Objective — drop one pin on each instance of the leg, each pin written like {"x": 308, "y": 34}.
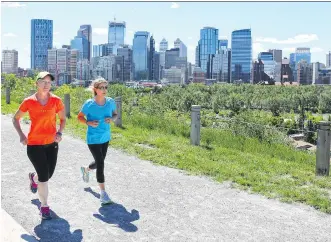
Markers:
{"x": 104, "y": 153}
{"x": 51, "y": 153}
{"x": 38, "y": 158}
{"x": 96, "y": 150}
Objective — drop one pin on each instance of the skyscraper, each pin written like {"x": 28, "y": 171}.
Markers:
{"x": 151, "y": 59}
{"x": 41, "y": 41}
{"x": 277, "y": 54}
{"x": 182, "y": 47}
{"x": 140, "y": 54}
{"x": 163, "y": 48}
{"x": 126, "y": 52}
{"x": 241, "y": 55}
{"x": 9, "y": 61}
{"x": 208, "y": 46}
{"x": 81, "y": 44}
{"x": 266, "y": 56}
{"x": 116, "y": 33}
{"x": 171, "y": 57}
{"x": 302, "y": 54}
{"x": 328, "y": 60}
{"x": 86, "y": 30}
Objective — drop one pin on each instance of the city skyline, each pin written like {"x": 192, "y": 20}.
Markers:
{"x": 272, "y": 34}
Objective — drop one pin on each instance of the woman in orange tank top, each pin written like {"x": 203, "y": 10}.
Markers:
{"x": 43, "y": 138}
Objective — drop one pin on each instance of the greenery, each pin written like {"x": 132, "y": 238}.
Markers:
{"x": 243, "y": 138}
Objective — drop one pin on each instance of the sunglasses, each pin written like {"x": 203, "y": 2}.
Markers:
{"x": 102, "y": 88}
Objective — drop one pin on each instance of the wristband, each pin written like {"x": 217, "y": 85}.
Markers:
{"x": 59, "y": 133}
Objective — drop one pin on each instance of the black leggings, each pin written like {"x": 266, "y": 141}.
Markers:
{"x": 99, "y": 152}
{"x": 43, "y": 158}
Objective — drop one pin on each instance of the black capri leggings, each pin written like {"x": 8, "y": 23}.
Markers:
{"x": 43, "y": 158}
{"x": 99, "y": 152}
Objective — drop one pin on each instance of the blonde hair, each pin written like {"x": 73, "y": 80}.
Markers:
{"x": 95, "y": 84}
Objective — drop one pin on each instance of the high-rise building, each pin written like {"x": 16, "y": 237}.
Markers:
{"x": 197, "y": 56}
{"x": 199, "y": 76}
{"x": 257, "y": 71}
{"x": 140, "y": 54}
{"x": 304, "y": 73}
{"x": 59, "y": 65}
{"x": 86, "y": 31}
{"x": 41, "y": 41}
{"x": 182, "y": 47}
{"x": 277, "y": 55}
{"x": 102, "y": 50}
{"x": 171, "y": 57}
{"x": 163, "y": 45}
{"x": 241, "y": 55}
{"x": 328, "y": 59}
{"x": 151, "y": 63}
{"x": 116, "y": 33}
{"x": 302, "y": 54}
{"x": 223, "y": 44}
{"x": 266, "y": 56}
{"x": 74, "y": 57}
{"x": 156, "y": 66}
{"x": 9, "y": 62}
{"x": 208, "y": 46}
{"x": 286, "y": 71}
{"x": 126, "y": 52}
{"x": 83, "y": 70}
{"x": 175, "y": 75}
{"x": 80, "y": 43}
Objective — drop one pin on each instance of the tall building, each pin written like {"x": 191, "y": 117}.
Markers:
{"x": 163, "y": 45}
{"x": 223, "y": 44}
{"x": 86, "y": 31}
{"x": 126, "y": 52}
{"x": 302, "y": 54}
{"x": 199, "y": 76}
{"x": 74, "y": 57}
{"x": 208, "y": 46}
{"x": 116, "y": 33}
{"x": 80, "y": 44}
{"x": 277, "y": 55}
{"x": 151, "y": 63}
{"x": 182, "y": 47}
{"x": 156, "y": 66}
{"x": 83, "y": 70}
{"x": 286, "y": 71}
{"x": 102, "y": 50}
{"x": 257, "y": 71}
{"x": 328, "y": 59}
{"x": 140, "y": 55}
{"x": 171, "y": 57}
{"x": 41, "y": 41}
{"x": 197, "y": 56}
{"x": 266, "y": 56}
{"x": 241, "y": 55}
{"x": 9, "y": 62}
{"x": 59, "y": 65}
{"x": 304, "y": 73}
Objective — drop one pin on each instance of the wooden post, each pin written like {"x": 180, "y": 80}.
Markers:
{"x": 118, "y": 121}
{"x": 67, "y": 104}
{"x": 323, "y": 149}
{"x": 195, "y": 125}
{"x": 8, "y": 95}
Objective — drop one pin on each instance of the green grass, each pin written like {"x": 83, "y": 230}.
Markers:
{"x": 273, "y": 170}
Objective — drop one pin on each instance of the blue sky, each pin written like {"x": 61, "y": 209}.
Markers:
{"x": 281, "y": 25}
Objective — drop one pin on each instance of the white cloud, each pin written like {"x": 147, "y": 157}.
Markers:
{"x": 190, "y": 37}
{"x": 9, "y": 35}
{"x": 100, "y": 31}
{"x": 301, "y": 38}
{"x": 174, "y": 5}
{"x": 13, "y": 5}
{"x": 56, "y": 33}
